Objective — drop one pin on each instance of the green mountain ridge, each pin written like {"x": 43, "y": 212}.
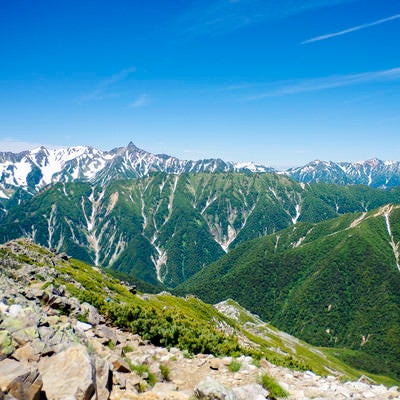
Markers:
{"x": 167, "y": 320}
{"x": 335, "y": 283}
{"x": 165, "y": 228}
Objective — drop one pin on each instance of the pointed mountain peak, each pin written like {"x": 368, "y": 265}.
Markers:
{"x": 131, "y": 146}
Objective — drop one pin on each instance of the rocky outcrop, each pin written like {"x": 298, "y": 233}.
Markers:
{"x": 211, "y": 389}
{"x": 68, "y": 374}
{"x": 46, "y": 352}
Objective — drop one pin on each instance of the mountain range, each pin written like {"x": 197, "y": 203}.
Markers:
{"x": 319, "y": 260}
{"x": 164, "y": 228}
{"x": 32, "y": 170}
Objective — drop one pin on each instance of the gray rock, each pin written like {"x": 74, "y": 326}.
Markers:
{"x": 27, "y": 387}
{"x": 253, "y": 392}
{"x": 34, "y": 293}
{"x": 11, "y": 370}
{"x": 46, "y": 333}
{"x": 83, "y": 326}
{"x": 27, "y": 353}
{"x": 119, "y": 365}
{"x": 106, "y": 333}
{"x": 68, "y": 374}
{"x": 14, "y": 310}
{"x": 25, "y": 335}
{"x": 103, "y": 379}
{"x": 211, "y": 389}
{"x": 119, "y": 379}
{"x": 92, "y": 315}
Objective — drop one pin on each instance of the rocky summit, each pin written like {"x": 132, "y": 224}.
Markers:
{"x": 54, "y": 346}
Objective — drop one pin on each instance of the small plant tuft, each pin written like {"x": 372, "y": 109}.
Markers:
{"x": 187, "y": 354}
{"x": 82, "y": 317}
{"x": 127, "y": 349}
{"x": 143, "y": 371}
{"x": 234, "y": 366}
{"x": 111, "y": 345}
{"x": 270, "y": 384}
{"x": 164, "y": 372}
{"x": 256, "y": 362}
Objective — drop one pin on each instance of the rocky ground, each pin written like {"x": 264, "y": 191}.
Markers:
{"x": 47, "y": 352}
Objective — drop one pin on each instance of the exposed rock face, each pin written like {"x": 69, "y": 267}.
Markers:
{"x": 253, "y": 392}
{"x": 27, "y": 387}
{"x": 10, "y": 371}
{"x": 211, "y": 389}
{"x": 46, "y": 353}
{"x": 68, "y": 374}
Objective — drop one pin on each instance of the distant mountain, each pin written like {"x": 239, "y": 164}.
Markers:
{"x": 335, "y": 283}
{"x": 165, "y": 228}
{"x": 26, "y": 173}
{"x": 374, "y": 173}
{"x": 32, "y": 170}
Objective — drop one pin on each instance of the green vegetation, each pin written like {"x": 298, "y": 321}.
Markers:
{"x": 188, "y": 323}
{"x": 270, "y": 384}
{"x": 143, "y": 371}
{"x": 185, "y": 217}
{"x": 234, "y": 365}
{"x": 111, "y": 345}
{"x": 333, "y": 284}
{"x": 127, "y": 349}
{"x": 165, "y": 371}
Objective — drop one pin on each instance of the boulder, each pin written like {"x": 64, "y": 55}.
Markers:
{"x": 68, "y": 374}
{"x": 27, "y": 387}
{"x": 103, "y": 379}
{"x": 211, "y": 389}
{"x": 11, "y": 370}
{"x": 26, "y": 335}
{"x": 27, "y": 353}
{"x": 107, "y": 334}
{"x": 92, "y": 315}
{"x": 83, "y": 326}
{"x": 119, "y": 365}
{"x": 119, "y": 379}
{"x": 217, "y": 364}
{"x": 14, "y": 310}
{"x": 253, "y": 392}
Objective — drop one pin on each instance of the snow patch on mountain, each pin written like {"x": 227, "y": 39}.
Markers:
{"x": 33, "y": 170}
{"x": 374, "y": 172}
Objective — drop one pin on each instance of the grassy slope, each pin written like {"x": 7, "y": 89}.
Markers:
{"x": 331, "y": 284}
{"x": 193, "y": 314}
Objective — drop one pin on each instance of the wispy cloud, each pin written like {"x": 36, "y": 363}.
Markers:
{"x": 330, "y": 82}
{"x": 350, "y": 30}
{"x": 141, "y": 101}
{"x": 100, "y": 92}
{"x": 222, "y": 16}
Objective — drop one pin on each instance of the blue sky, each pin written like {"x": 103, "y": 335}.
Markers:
{"x": 276, "y": 82}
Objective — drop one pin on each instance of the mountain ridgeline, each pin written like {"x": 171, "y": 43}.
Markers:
{"x": 164, "y": 228}
{"x": 318, "y": 260}
{"x": 335, "y": 283}
{"x": 24, "y": 174}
